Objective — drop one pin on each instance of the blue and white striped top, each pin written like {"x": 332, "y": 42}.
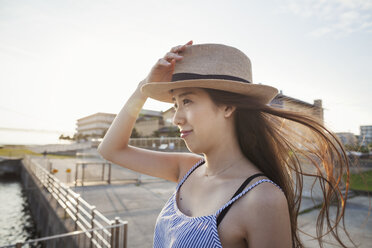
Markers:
{"x": 175, "y": 229}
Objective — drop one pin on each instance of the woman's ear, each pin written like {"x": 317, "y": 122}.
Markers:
{"x": 229, "y": 110}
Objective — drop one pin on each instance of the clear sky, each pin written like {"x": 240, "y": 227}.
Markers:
{"x": 63, "y": 60}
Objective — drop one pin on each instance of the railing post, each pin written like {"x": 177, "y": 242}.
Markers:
{"x": 117, "y": 232}
{"x": 92, "y": 225}
{"x": 41, "y": 174}
{"x": 83, "y": 174}
{"x": 139, "y": 181}
{"x": 109, "y": 174}
{"x": 77, "y": 211}
{"x": 112, "y": 235}
{"x": 76, "y": 173}
{"x": 103, "y": 172}
{"x": 48, "y": 178}
{"x": 125, "y": 233}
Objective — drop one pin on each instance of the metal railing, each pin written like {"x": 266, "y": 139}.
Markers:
{"x": 88, "y": 172}
{"x": 102, "y": 176}
{"x": 83, "y": 215}
{"x": 163, "y": 143}
{"x": 80, "y": 239}
{"x": 106, "y": 172}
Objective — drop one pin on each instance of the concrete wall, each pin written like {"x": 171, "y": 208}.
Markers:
{"x": 43, "y": 207}
{"x": 10, "y": 167}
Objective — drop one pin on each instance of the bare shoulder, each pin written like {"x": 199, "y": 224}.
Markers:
{"x": 267, "y": 194}
{"x": 266, "y": 217}
{"x": 187, "y": 162}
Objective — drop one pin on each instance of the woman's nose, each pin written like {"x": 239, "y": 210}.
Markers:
{"x": 178, "y": 118}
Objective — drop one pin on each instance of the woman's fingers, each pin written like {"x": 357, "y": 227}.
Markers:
{"x": 169, "y": 56}
{"x": 176, "y": 48}
{"x": 172, "y": 57}
{"x": 163, "y": 69}
{"x": 164, "y": 62}
{"x": 180, "y": 48}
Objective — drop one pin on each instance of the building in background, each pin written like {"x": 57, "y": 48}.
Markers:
{"x": 365, "y": 137}
{"x": 94, "y": 126}
{"x": 300, "y": 134}
{"x": 148, "y": 122}
{"x": 290, "y": 103}
{"x": 168, "y": 117}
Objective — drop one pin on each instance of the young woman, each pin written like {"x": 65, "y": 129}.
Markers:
{"x": 241, "y": 184}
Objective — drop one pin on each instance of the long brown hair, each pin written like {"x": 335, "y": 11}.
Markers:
{"x": 267, "y": 137}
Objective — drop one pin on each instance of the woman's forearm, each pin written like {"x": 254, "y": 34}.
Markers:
{"x": 117, "y": 136}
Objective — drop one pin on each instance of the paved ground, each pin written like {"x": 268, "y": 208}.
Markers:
{"x": 140, "y": 205}
{"x": 357, "y": 223}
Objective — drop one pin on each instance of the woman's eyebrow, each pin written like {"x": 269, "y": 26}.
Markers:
{"x": 183, "y": 94}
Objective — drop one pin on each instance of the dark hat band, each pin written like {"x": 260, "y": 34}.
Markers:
{"x": 194, "y": 76}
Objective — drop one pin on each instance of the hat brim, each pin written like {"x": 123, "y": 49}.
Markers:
{"x": 161, "y": 90}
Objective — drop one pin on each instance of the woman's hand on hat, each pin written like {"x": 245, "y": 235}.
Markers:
{"x": 163, "y": 69}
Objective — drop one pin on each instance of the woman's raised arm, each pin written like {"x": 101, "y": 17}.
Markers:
{"x": 114, "y": 146}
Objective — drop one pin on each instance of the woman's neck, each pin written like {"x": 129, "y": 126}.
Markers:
{"x": 225, "y": 157}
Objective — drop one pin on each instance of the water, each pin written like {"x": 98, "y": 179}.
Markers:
{"x": 16, "y": 137}
{"x": 16, "y": 223}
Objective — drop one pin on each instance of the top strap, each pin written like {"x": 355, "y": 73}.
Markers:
{"x": 200, "y": 162}
{"x": 228, "y": 205}
{"x": 241, "y": 188}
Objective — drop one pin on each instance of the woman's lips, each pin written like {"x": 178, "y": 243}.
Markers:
{"x": 185, "y": 133}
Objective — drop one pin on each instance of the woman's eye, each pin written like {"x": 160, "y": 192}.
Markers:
{"x": 186, "y": 101}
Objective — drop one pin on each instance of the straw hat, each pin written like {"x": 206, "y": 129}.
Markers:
{"x": 212, "y": 66}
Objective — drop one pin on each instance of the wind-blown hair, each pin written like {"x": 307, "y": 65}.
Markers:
{"x": 287, "y": 145}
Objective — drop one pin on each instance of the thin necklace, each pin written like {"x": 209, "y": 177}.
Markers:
{"x": 220, "y": 172}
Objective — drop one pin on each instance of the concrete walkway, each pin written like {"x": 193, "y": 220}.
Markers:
{"x": 357, "y": 223}
{"x": 140, "y": 206}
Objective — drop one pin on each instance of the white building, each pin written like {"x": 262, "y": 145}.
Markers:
{"x": 94, "y": 125}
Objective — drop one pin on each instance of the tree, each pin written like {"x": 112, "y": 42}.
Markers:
{"x": 356, "y": 148}
{"x": 62, "y": 137}
{"x": 155, "y": 134}
{"x": 135, "y": 134}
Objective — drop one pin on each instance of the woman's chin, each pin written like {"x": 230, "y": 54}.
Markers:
{"x": 194, "y": 149}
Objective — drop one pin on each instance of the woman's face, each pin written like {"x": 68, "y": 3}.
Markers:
{"x": 200, "y": 121}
